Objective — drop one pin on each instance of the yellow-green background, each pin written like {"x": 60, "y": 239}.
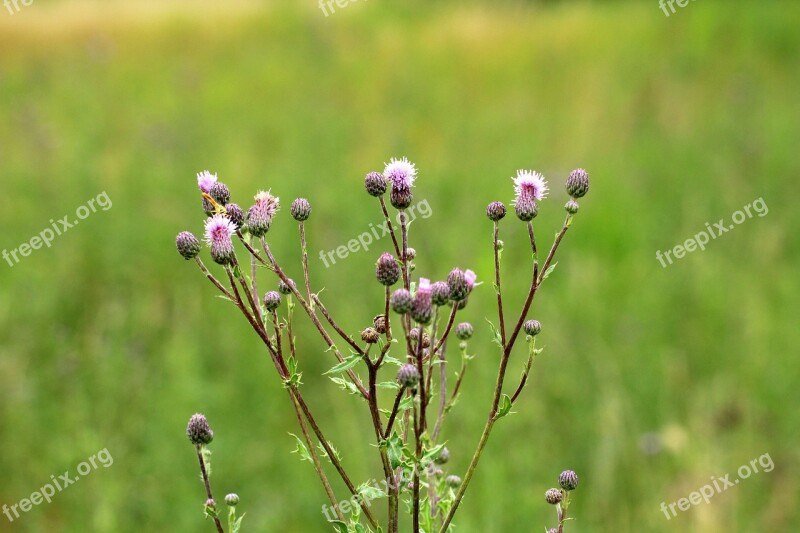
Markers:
{"x": 109, "y": 339}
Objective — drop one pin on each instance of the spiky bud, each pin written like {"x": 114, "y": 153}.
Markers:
{"x": 260, "y": 215}
{"x": 187, "y": 244}
{"x": 235, "y": 214}
{"x": 231, "y": 500}
{"x": 577, "y": 183}
{"x": 400, "y": 301}
{"x": 422, "y": 304}
{"x": 440, "y": 293}
{"x": 464, "y": 331}
{"x": 370, "y": 335}
{"x": 458, "y": 285}
{"x": 198, "y": 430}
{"x": 443, "y": 457}
{"x": 411, "y": 253}
{"x": 571, "y": 206}
{"x": 211, "y": 504}
{"x": 284, "y": 288}
{"x": 219, "y": 192}
{"x": 554, "y": 496}
{"x": 453, "y": 481}
{"x": 387, "y": 270}
{"x": 400, "y": 198}
{"x": 408, "y": 376}
{"x": 272, "y": 300}
{"x": 379, "y": 323}
{"x": 532, "y": 327}
{"x": 526, "y": 208}
{"x": 300, "y": 209}
{"x": 375, "y": 183}
{"x": 416, "y": 332}
{"x": 568, "y": 480}
{"x": 496, "y": 211}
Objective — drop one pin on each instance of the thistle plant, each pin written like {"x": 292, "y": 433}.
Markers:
{"x": 399, "y": 363}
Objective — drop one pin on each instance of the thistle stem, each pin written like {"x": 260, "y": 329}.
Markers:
{"x": 207, "y": 483}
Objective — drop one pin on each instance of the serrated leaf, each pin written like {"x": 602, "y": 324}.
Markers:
{"x": 505, "y": 407}
{"x": 390, "y": 359}
{"x": 345, "y": 385}
{"x": 347, "y": 364}
{"x": 392, "y": 385}
{"x": 431, "y": 454}
{"x": 301, "y": 449}
{"x": 496, "y": 334}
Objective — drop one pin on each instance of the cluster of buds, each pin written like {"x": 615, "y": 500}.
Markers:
{"x": 567, "y": 481}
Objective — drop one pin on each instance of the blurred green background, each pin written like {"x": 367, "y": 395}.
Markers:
{"x": 653, "y": 379}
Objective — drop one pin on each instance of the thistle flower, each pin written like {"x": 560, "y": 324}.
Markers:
{"x": 577, "y": 183}
{"x": 401, "y": 172}
{"x": 422, "y": 305}
{"x": 453, "y": 481}
{"x": 529, "y": 187}
{"x": 532, "y": 327}
{"x": 198, "y": 430}
{"x": 408, "y": 376}
{"x": 219, "y": 230}
{"x": 260, "y": 214}
{"x": 496, "y": 211}
{"x": 554, "y": 496}
{"x": 470, "y": 277}
{"x": 400, "y": 301}
{"x": 440, "y": 292}
{"x": 300, "y": 209}
{"x": 568, "y": 480}
{"x": 375, "y": 183}
{"x": 231, "y": 500}
{"x": 187, "y": 244}
{"x": 464, "y": 331}
{"x": 220, "y": 192}
{"x": 284, "y": 288}
{"x": 457, "y": 282}
{"x": 272, "y": 300}
{"x": 387, "y": 270}
{"x": 236, "y": 214}
{"x": 205, "y": 180}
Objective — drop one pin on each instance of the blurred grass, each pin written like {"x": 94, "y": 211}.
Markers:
{"x": 108, "y": 339}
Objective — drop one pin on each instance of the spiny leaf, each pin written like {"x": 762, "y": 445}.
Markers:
{"x": 347, "y": 364}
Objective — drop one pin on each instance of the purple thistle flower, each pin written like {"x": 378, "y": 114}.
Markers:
{"x": 529, "y": 184}
{"x": 401, "y": 172}
{"x": 206, "y": 180}
{"x": 470, "y": 277}
{"x": 260, "y": 214}
{"x": 219, "y": 230}
{"x": 422, "y": 305}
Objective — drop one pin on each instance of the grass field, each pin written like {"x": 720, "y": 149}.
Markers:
{"x": 653, "y": 380}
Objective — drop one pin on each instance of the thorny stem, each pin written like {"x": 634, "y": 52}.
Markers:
{"x": 207, "y": 483}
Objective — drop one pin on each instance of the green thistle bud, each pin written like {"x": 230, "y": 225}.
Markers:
{"x": 284, "y": 288}
{"x": 453, "y": 481}
{"x": 532, "y": 327}
{"x": 464, "y": 331}
{"x": 571, "y": 206}
{"x": 232, "y": 500}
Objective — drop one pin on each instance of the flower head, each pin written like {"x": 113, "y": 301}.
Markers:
{"x": 219, "y": 230}
{"x": 422, "y": 305}
{"x": 260, "y": 214}
{"x": 401, "y": 172}
{"x": 187, "y": 244}
{"x": 198, "y": 430}
{"x": 205, "y": 180}
{"x": 529, "y": 184}
{"x": 470, "y": 277}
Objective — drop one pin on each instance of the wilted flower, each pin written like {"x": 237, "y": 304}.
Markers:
{"x": 219, "y": 230}
{"x": 260, "y": 214}
{"x": 554, "y": 496}
{"x": 370, "y": 335}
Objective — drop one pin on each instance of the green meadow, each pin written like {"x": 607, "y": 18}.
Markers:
{"x": 654, "y": 378}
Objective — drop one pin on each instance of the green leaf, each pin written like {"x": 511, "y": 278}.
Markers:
{"x": 237, "y": 526}
{"x": 505, "y": 407}
{"x": 496, "y": 334}
{"x": 345, "y": 384}
{"x": 301, "y": 449}
{"x": 340, "y": 526}
{"x": 430, "y": 454}
{"x": 347, "y": 364}
{"x": 390, "y": 359}
{"x": 549, "y": 270}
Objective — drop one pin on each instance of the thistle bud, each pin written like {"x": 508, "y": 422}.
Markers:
{"x": 453, "y": 481}
{"x": 422, "y": 304}
{"x": 526, "y": 208}
{"x": 443, "y": 457}
{"x": 187, "y": 244}
{"x": 283, "y": 288}
{"x": 260, "y": 215}
{"x": 387, "y": 270}
{"x": 440, "y": 293}
{"x": 577, "y": 183}
{"x": 219, "y": 192}
{"x": 408, "y": 376}
{"x": 370, "y": 335}
{"x": 232, "y": 500}
{"x": 458, "y": 285}
{"x": 379, "y": 322}
{"x": 235, "y": 214}
{"x": 415, "y": 334}
{"x": 532, "y": 327}
{"x": 400, "y": 198}
{"x": 400, "y": 301}
{"x": 375, "y": 183}
{"x": 571, "y": 206}
{"x": 198, "y": 430}
{"x": 300, "y": 209}
{"x": 554, "y": 496}
{"x": 411, "y": 253}
{"x": 496, "y": 211}
{"x": 464, "y": 331}
{"x": 272, "y": 300}
{"x": 568, "y": 480}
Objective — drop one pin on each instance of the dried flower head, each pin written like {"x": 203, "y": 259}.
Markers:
{"x": 370, "y": 335}
{"x": 198, "y": 430}
{"x": 415, "y": 334}
{"x": 260, "y": 215}
{"x": 205, "y": 180}
{"x": 379, "y": 322}
{"x": 554, "y": 496}
{"x": 187, "y": 244}
{"x": 219, "y": 230}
